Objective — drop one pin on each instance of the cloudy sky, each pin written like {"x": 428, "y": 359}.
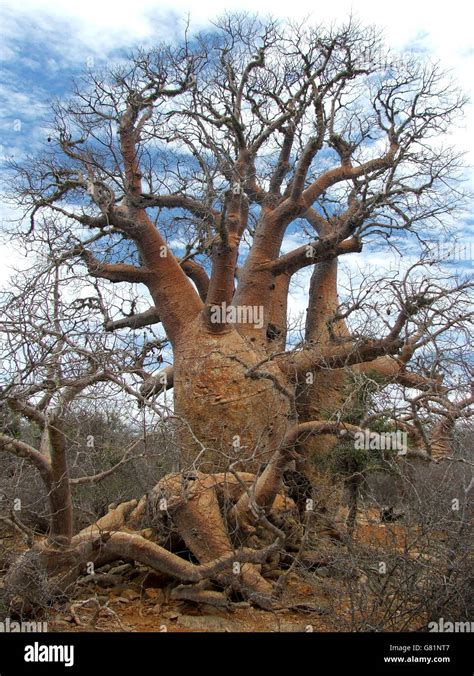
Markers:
{"x": 46, "y": 42}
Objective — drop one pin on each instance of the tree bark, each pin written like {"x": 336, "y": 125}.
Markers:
{"x": 228, "y": 416}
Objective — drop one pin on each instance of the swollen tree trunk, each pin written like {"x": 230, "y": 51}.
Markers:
{"x": 229, "y": 414}
{"x": 249, "y": 169}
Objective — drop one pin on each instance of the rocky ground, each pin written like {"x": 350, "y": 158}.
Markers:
{"x": 125, "y": 597}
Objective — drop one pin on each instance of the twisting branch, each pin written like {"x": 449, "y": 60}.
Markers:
{"x": 115, "y": 272}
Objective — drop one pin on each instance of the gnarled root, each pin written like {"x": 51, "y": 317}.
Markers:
{"x": 192, "y": 504}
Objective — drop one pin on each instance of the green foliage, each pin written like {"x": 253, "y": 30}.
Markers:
{"x": 345, "y": 458}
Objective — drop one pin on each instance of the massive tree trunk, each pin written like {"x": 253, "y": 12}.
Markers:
{"x": 229, "y": 414}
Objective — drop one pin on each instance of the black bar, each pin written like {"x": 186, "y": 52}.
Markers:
{"x": 113, "y": 654}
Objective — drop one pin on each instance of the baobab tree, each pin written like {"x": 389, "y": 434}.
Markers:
{"x": 187, "y": 171}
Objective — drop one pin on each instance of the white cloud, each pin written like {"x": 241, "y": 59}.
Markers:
{"x": 80, "y": 29}
{"x": 432, "y": 24}
{"x": 75, "y": 30}
{"x": 12, "y": 260}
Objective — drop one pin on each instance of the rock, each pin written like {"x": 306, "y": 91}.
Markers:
{"x": 171, "y": 615}
{"x": 323, "y": 571}
{"x": 211, "y": 623}
{"x": 131, "y": 594}
{"x": 157, "y": 595}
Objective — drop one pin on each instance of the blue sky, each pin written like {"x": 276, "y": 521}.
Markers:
{"x": 45, "y": 43}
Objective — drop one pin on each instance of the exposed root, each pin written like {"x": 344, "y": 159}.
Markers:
{"x": 193, "y": 508}
{"x": 201, "y": 593}
{"x": 195, "y": 511}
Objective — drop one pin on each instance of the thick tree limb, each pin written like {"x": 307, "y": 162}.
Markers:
{"x": 138, "y": 321}
{"x": 195, "y": 510}
{"x": 149, "y": 317}
{"x": 163, "y": 380}
{"x": 394, "y": 370}
{"x": 246, "y": 511}
{"x": 118, "y": 272}
{"x": 314, "y": 252}
{"x": 345, "y": 173}
{"x": 23, "y": 450}
{"x": 335, "y": 357}
{"x": 198, "y": 275}
{"x": 176, "y": 300}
